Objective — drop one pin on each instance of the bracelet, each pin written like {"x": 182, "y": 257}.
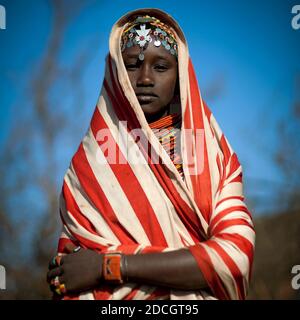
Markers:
{"x": 111, "y": 267}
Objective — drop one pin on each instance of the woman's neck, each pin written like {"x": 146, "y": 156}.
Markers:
{"x": 157, "y": 116}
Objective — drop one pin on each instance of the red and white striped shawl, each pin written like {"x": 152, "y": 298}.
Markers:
{"x": 138, "y": 208}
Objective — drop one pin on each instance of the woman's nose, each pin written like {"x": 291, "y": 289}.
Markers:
{"x": 145, "y": 77}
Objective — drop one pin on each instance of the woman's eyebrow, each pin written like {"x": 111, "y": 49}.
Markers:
{"x": 161, "y": 57}
{"x": 131, "y": 55}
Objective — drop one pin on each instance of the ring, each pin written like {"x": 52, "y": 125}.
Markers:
{"x": 56, "y": 282}
{"x": 61, "y": 289}
{"x": 76, "y": 249}
{"x": 55, "y": 262}
{"x": 57, "y": 287}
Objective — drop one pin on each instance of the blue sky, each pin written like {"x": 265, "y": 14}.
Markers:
{"x": 249, "y": 46}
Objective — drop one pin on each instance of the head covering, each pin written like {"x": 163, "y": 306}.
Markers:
{"x": 143, "y": 30}
{"x": 146, "y": 206}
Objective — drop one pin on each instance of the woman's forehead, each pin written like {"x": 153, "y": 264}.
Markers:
{"x": 150, "y": 52}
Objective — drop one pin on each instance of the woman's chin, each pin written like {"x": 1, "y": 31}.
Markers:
{"x": 151, "y": 111}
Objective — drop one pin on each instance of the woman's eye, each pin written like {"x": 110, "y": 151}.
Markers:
{"x": 161, "y": 67}
{"x": 131, "y": 66}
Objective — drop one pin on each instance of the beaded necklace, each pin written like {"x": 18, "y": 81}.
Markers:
{"x": 167, "y": 130}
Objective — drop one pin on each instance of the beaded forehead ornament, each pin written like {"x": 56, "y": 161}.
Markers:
{"x": 139, "y": 33}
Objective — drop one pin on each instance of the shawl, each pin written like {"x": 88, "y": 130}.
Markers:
{"x": 110, "y": 201}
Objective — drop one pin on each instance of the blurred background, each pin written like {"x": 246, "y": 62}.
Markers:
{"x": 246, "y": 55}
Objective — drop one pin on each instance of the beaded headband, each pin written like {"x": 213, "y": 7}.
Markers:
{"x": 161, "y": 33}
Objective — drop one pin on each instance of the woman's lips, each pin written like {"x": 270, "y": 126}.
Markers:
{"x": 144, "y": 98}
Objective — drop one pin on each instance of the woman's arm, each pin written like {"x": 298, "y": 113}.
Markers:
{"x": 175, "y": 269}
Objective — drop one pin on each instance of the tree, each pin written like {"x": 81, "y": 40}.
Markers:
{"x": 287, "y": 156}
{"x": 31, "y": 167}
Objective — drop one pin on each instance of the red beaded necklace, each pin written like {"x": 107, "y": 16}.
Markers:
{"x": 167, "y": 130}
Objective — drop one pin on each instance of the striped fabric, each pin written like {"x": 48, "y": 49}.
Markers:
{"x": 145, "y": 206}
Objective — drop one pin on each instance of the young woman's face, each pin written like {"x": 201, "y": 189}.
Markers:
{"x": 153, "y": 79}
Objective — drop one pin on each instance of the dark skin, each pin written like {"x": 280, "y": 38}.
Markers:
{"x": 153, "y": 79}
{"x": 154, "y": 82}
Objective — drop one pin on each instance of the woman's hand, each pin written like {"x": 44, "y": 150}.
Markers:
{"x": 78, "y": 271}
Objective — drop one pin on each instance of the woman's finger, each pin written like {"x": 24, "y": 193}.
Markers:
{"x": 54, "y": 273}
{"x": 52, "y": 263}
{"x": 55, "y": 262}
{"x": 69, "y": 247}
{"x": 58, "y": 286}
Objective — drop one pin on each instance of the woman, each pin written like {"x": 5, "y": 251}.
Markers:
{"x": 152, "y": 201}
